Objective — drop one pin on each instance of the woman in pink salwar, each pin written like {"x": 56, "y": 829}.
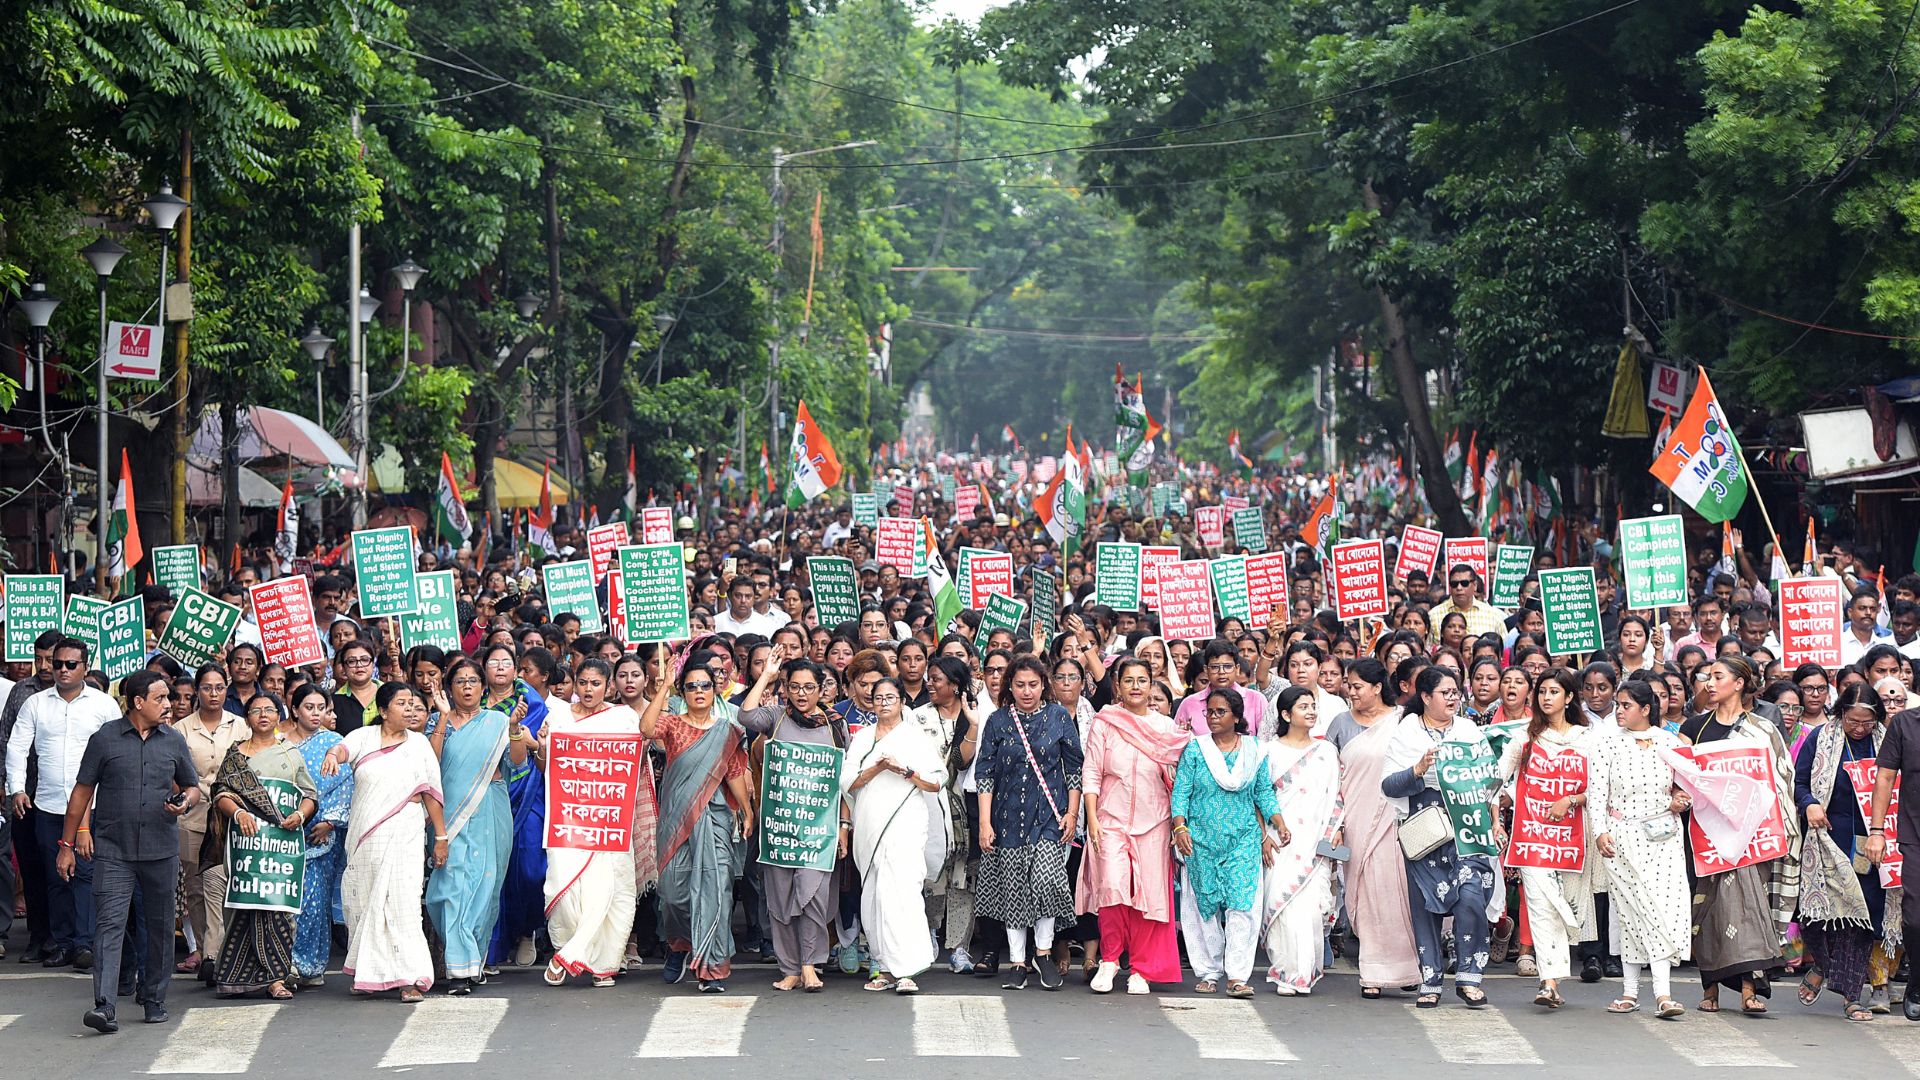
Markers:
{"x": 1127, "y": 875}
{"x": 1376, "y": 883}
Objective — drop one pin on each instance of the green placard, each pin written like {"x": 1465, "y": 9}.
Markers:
{"x": 883, "y": 496}
{"x": 653, "y": 587}
{"x": 947, "y": 487}
{"x": 866, "y": 509}
{"x": 1653, "y": 556}
{"x": 1046, "y": 603}
{"x": 35, "y": 605}
{"x": 919, "y": 552}
{"x": 1231, "y": 599}
{"x": 836, "y": 589}
{"x": 1165, "y": 493}
{"x": 1511, "y": 565}
{"x": 178, "y": 568}
{"x": 1116, "y": 575}
{"x": 1498, "y": 735}
{"x": 800, "y": 805}
{"x": 123, "y": 638}
{"x": 436, "y": 621}
{"x": 383, "y": 571}
{"x": 570, "y": 590}
{"x": 198, "y": 630}
{"x": 264, "y": 870}
{"x": 1002, "y": 613}
{"x": 82, "y": 621}
{"x": 1468, "y": 776}
{"x": 1572, "y": 610}
{"x": 1250, "y": 529}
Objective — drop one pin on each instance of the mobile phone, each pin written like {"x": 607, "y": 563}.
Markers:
{"x": 177, "y": 799}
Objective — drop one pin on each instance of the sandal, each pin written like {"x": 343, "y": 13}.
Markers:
{"x": 188, "y": 966}
{"x": 1427, "y": 1001}
{"x": 880, "y": 981}
{"x": 906, "y": 986}
{"x": 1669, "y": 1009}
{"x": 1239, "y": 990}
{"x": 1624, "y": 1004}
{"x": 1810, "y": 990}
{"x": 1752, "y": 1005}
{"x": 1709, "y": 1005}
{"x": 1857, "y": 1012}
{"x": 411, "y": 996}
{"x": 279, "y": 992}
{"x": 602, "y": 982}
{"x": 1476, "y": 998}
{"x": 1206, "y": 986}
{"x": 555, "y": 974}
{"x": 1370, "y": 993}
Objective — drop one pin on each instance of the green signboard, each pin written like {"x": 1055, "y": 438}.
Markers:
{"x": 1250, "y": 529}
{"x": 1046, "y": 603}
{"x": 35, "y": 604}
{"x": 866, "y": 508}
{"x": 436, "y": 621}
{"x": 178, "y": 568}
{"x": 123, "y": 638}
{"x": 1511, "y": 565}
{"x": 836, "y": 589}
{"x": 83, "y": 621}
{"x": 1002, "y": 613}
{"x": 383, "y": 570}
{"x": 800, "y": 805}
{"x": 1572, "y": 610}
{"x": 1468, "y": 776}
{"x": 1653, "y": 557}
{"x": 653, "y": 587}
{"x": 1116, "y": 575}
{"x": 1231, "y": 598}
{"x": 570, "y": 591}
{"x": 198, "y": 630}
{"x": 264, "y": 870}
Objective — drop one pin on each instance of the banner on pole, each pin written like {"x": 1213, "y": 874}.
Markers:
{"x": 1812, "y": 614}
{"x": 866, "y": 508}
{"x": 656, "y": 526}
{"x": 653, "y": 593}
{"x": 987, "y": 573}
{"x": 123, "y": 638}
{"x": 896, "y": 543}
{"x": 82, "y": 621}
{"x": 1267, "y": 584}
{"x": 1250, "y": 529}
{"x": 1002, "y": 613}
{"x": 1211, "y": 523}
{"x": 1419, "y": 550}
{"x": 1046, "y": 603}
{"x": 1186, "y": 600}
{"x": 1151, "y": 560}
{"x": 1511, "y": 565}
{"x": 1116, "y": 575}
{"x": 177, "y": 567}
{"x": 35, "y": 604}
{"x": 199, "y": 628}
{"x": 603, "y": 541}
{"x": 1230, "y": 587}
{"x": 1471, "y": 550}
{"x": 1653, "y": 556}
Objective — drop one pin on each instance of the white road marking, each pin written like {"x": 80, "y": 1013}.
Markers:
{"x": 1475, "y": 1037}
{"x": 220, "y": 1039}
{"x": 705, "y": 1026}
{"x": 446, "y": 1031}
{"x": 5, "y": 1020}
{"x": 961, "y": 1027}
{"x": 1899, "y": 1039}
{"x": 1228, "y": 1030}
{"x": 1709, "y": 1041}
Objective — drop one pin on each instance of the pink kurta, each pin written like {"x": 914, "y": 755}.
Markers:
{"x": 1134, "y": 865}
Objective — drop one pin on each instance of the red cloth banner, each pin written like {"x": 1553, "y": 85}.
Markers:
{"x": 604, "y": 540}
{"x": 1864, "y": 774}
{"x": 1769, "y": 838}
{"x": 1539, "y": 842}
{"x": 1151, "y": 559}
{"x": 592, "y": 783}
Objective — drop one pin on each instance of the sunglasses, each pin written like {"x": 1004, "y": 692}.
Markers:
{"x": 68, "y": 665}
{"x": 697, "y": 687}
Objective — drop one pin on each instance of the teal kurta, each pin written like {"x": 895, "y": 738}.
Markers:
{"x": 1223, "y": 872}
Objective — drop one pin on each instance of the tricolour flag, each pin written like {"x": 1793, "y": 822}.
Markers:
{"x": 1240, "y": 462}
{"x": 123, "y": 530}
{"x": 450, "y": 519}
{"x": 1810, "y": 556}
{"x": 540, "y": 521}
{"x": 1702, "y": 463}
{"x": 1319, "y": 524}
{"x": 633, "y": 490}
{"x": 946, "y": 598}
{"x": 1063, "y": 505}
{"x": 286, "y": 536}
{"x": 1134, "y": 427}
{"x": 812, "y": 466}
{"x": 1454, "y": 459}
{"x": 1007, "y": 436}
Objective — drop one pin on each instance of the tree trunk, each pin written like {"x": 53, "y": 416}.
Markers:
{"x": 1412, "y": 385}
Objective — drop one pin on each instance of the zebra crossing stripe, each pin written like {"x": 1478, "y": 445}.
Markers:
{"x": 704, "y": 1026}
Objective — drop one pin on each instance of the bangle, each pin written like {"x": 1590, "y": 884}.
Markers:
{"x": 86, "y": 830}
{"x": 1180, "y": 828}
{"x": 438, "y": 838}
{"x": 65, "y": 843}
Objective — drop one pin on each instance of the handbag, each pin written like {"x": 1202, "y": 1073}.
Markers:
{"x": 1422, "y": 832}
{"x": 1659, "y": 827}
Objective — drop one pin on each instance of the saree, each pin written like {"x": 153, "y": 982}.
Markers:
{"x": 326, "y": 860}
{"x": 463, "y": 897}
{"x": 386, "y": 861}
{"x": 699, "y": 855}
{"x": 1376, "y": 886}
{"x": 1740, "y": 917}
{"x": 1299, "y": 885}
{"x": 891, "y": 820}
{"x": 258, "y": 948}
{"x": 590, "y": 895}
{"x": 524, "y": 881}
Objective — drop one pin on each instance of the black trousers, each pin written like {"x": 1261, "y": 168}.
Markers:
{"x": 116, "y": 883}
{"x": 33, "y": 882}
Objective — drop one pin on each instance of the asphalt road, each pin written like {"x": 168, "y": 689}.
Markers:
{"x": 516, "y": 1028}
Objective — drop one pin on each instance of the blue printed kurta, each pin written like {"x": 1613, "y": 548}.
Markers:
{"x": 1223, "y": 873}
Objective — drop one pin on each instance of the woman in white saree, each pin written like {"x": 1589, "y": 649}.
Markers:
{"x": 889, "y": 764}
{"x": 1299, "y": 880}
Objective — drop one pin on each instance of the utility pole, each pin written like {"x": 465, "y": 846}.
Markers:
{"x": 184, "y": 421}
{"x": 356, "y": 364}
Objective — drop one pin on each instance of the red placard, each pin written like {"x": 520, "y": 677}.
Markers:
{"x": 1186, "y": 600}
{"x": 1419, "y": 550}
{"x": 1267, "y": 583}
{"x": 283, "y": 608}
{"x": 617, "y": 610}
{"x": 1234, "y": 502}
{"x": 903, "y": 498}
{"x": 1471, "y": 550}
{"x": 988, "y": 572}
{"x": 604, "y": 540}
{"x": 1360, "y": 580}
{"x": 966, "y": 500}
{"x": 1812, "y": 613}
{"x": 1864, "y": 774}
{"x": 1770, "y": 839}
{"x": 1537, "y": 841}
{"x": 656, "y": 526}
{"x": 1212, "y": 523}
{"x": 592, "y": 782}
{"x": 1151, "y": 559}
{"x": 894, "y": 540}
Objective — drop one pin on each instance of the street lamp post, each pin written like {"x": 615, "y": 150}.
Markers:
{"x": 317, "y": 344}
{"x": 164, "y": 211}
{"x": 408, "y": 274}
{"x": 103, "y": 255}
{"x": 780, "y": 158}
{"x": 38, "y": 305}
{"x": 364, "y": 311}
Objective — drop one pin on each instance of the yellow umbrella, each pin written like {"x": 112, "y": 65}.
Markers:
{"x": 518, "y": 487}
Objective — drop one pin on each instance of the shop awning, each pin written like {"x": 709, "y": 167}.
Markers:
{"x": 204, "y": 486}
{"x": 517, "y": 486}
{"x": 272, "y": 433}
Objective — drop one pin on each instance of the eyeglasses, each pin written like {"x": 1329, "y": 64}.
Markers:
{"x": 1065, "y": 677}
{"x": 697, "y": 687}
{"x": 996, "y": 669}
{"x": 1446, "y": 692}
{"x": 803, "y": 688}
{"x": 213, "y": 688}
{"x": 357, "y": 661}
{"x": 1215, "y": 713}
{"x": 69, "y": 665}
{"x": 468, "y": 681}
{"x": 1792, "y": 710}
{"x": 275, "y": 713}
{"x": 1466, "y": 583}
{"x": 886, "y": 699}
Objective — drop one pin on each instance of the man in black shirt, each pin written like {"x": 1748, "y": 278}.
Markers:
{"x": 137, "y": 777}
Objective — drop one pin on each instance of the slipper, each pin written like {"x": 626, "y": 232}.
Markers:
{"x": 879, "y": 982}
{"x": 1427, "y": 1001}
{"x": 1206, "y": 986}
{"x": 1669, "y": 1009}
{"x": 555, "y": 974}
{"x": 906, "y": 986}
{"x": 279, "y": 993}
{"x": 1751, "y": 1005}
{"x": 1476, "y": 998}
{"x": 1857, "y": 1012}
{"x": 1709, "y": 1005}
{"x": 411, "y": 996}
{"x": 1624, "y": 1004}
{"x": 1239, "y": 990}
{"x": 188, "y": 966}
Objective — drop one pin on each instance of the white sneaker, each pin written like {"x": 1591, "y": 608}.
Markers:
{"x": 1102, "y": 982}
{"x": 961, "y": 962}
{"x": 1137, "y": 986}
{"x": 524, "y": 954}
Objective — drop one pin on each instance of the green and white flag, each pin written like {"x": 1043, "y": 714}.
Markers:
{"x": 1134, "y": 427}
{"x": 450, "y": 519}
{"x": 946, "y": 598}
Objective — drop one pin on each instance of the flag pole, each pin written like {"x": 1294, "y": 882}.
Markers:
{"x": 1753, "y": 485}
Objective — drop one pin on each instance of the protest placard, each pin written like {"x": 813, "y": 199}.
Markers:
{"x": 177, "y": 567}
{"x": 604, "y": 540}
{"x": 1511, "y": 565}
{"x": 897, "y": 543}
{"x": 1266, "y": 584}
{"x": 800, "y": 805}
{"x": 989, "y": 573}
{"x": 592, "y": 783}
{"x": 836, "y": 589}
{"x": 1571, "y": 608}
{"x": 656, "y": 526}
{"x": 123, "y": 638}
{"x": 1538, "y": 841}
{"x": 1046, "y": 603}
{"x": 1812, "y": 614}
{"x": 1468, "y": 776}
{"x": 1002, "y": 613}
{"x": 653, "y": 592}
{"x": 1653, "y": 557}
{"x": 1250, "y": 529}
{"x": 1163, "y": 496}
{"x": 570, "y": 591}
{"x": 199, "y": 628}
{"x": 866, "y": 508}
{"x": 1116, "y": 575}
{"x": 35, "y": 604}
{"x": 1471, "y": 550}
{"x": 1234, "y": 502}
{"x": 1419, "y": 550}
{"x": 1769, "y": 839}
{"x": 903, "y": 500}
{"x": 1360, "y": 580}
{"x": 1863, "y": 775}
{"x": 1231, "y": 598}
{"x": 966, "y": 502}
{"x": 82, "y": 621}
{"x": 1152, "y": 558}
{"x": 617, "y": 605}
{"x": 883, "y": 496}
{"x": 383, "y": 570}
{"x": 949, "y": 487}
{"x": 1185, "y": 599}
{"x": 1211, "y": 523}
{"x": 435, "y": 619}
{"x": 283, "y": 609}
{"x": 265, "y": 870}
